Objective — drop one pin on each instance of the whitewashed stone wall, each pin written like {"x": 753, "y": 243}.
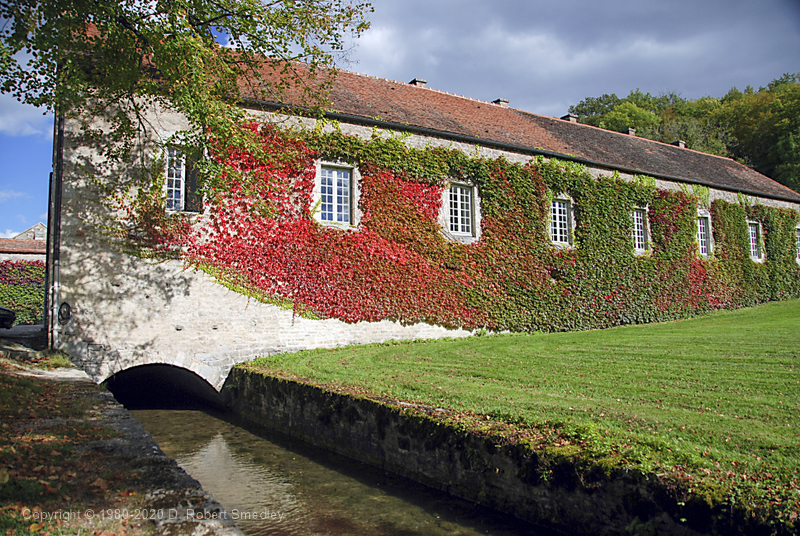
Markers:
{"x": 127, "y": 311}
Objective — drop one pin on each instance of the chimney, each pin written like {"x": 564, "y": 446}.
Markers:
{"x": 631, "y": 131}
{"x": 679, "y": 143}
{"x": 572, "y": 118}
{"x": 501, "y": 102}
{"x": 419, "y": 82}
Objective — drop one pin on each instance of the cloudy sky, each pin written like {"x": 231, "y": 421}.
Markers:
{"x": 541, "y": 56}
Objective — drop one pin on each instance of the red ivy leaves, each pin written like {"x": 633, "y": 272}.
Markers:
{"x": 397, "y": 264}
{"x": 262, "y": 230}
{"x": 22, "y": 273}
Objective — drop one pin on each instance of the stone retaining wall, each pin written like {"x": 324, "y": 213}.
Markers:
{"x": 544, "y": 487}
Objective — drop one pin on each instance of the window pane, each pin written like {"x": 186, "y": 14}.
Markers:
{"x": 343, "y": 197}
{"x": 175, "y": 179}
{"x": 797, "y": 243}
{"x": 559, "y": 222}
{"x": 703, "y": 236}
{"x": 335, "y": 195}
{"x": 755, "y": 247}
{"x": 460, "y": 209}
{"x": 639, "y": 230}
{"x": 466, "y": 211}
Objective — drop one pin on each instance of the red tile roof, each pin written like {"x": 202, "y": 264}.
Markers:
{"x": 404, "y": 106}
{"x": 9, "y": 245}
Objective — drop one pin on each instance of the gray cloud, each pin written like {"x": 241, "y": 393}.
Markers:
{"x": 544, "y": 56}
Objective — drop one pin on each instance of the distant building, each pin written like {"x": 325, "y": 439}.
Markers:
{"x": 29, "y": 245}
{"x": 37, "y": 232}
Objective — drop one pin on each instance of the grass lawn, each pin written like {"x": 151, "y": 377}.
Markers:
{"x": 710, "y": 402}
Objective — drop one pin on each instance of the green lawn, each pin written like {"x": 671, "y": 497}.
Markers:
{"x": 712, "y": 401}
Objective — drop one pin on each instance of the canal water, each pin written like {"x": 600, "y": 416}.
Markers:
{"x": 274, "y": 485}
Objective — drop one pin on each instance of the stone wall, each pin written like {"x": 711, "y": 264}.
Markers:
{"x": 127, "y": 311}
{"x": 405, "y": 440}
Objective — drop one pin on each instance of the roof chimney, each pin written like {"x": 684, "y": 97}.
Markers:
{"x": 419, "y": 82}
{"x": 679, "y": 143}
{"x": 631, "y": 131}
{"x": 501, "y": 102}
{"x": 572, "y": 118}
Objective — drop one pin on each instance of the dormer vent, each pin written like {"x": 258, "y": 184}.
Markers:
{"x": 501, "y": 102}
{"x": 679, "y": 143}
{"x": 572, "y": 118}
{"x": 419, "y": 82}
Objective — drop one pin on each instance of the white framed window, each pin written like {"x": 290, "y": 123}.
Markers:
{"x": 704, "y": 238}
{"x": 175, "y": 183}
{"x": 460, "y": 215}
{"x": 641, "y": 231}
{"x": 754, "y": 235}
{"x": 797, "y": 244}
{"x": 335, "y": 195}
{"x": 461, "y": 209}
{"x": 561, "y": 223}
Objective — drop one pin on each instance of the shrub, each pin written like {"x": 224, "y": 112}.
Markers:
{"x": 22, "y": 289}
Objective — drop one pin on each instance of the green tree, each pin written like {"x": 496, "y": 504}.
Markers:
{"x": 763, "y": 125}
{"x": 628, "y": 115}
{"x": 116, "y": 58}
{"x": 787, "y": 153}
{"x": 592, "y": 110}
{"x": 758, "y": 128}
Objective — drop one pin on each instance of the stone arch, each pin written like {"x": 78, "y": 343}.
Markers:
{"x": 162, "y": 385}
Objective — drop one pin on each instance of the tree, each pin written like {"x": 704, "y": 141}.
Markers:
{"x": 628, "y": 115}
{"x": 591, "y": 110}
{"x": 758, "y": 128}
{"x": 115, "y": 58}
{"x": 764, "y": 126}
{"x": 787, "y": 152}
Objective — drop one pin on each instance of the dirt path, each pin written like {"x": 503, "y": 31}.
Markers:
{"x": 74, "y": 461}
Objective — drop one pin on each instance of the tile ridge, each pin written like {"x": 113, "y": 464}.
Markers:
{"x": 442, "y": 92}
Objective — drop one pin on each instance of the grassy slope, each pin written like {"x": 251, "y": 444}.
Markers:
{"x": 711, "y": 401}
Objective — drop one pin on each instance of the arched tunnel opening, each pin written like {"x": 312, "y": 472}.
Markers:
{"x": 163, "y": 387}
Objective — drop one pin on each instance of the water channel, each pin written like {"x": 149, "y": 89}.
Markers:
{"x": 274, "y": 485}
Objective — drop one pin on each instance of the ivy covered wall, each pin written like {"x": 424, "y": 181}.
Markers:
{"x": 258, "y": 236}
{"x": 22, "y": 290}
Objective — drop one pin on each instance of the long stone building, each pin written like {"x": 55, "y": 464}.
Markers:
{"x": 112, "y": 309}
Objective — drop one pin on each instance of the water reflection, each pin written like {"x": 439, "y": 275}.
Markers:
{"x": 273, "y": 485}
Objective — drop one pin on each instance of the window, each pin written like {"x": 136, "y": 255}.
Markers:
{"x": 754, "y": 231}
{"x": 561, "y": 222}
{"x": 461, "y": 216}
{"x": 797, "y": 243}
{"x": 180, "y": 182}
{"x": 704, "y": 234}
{"x": 335, "y": 197}
{"x": 335, "y": 188}
{"x": 640, "y": 230}
{"x": 176, "y": 179}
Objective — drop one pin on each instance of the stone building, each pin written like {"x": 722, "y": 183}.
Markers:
{"x": 29, "y": 245}
{"x": 111, "y": 310}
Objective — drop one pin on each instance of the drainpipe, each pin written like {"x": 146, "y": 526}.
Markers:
{"x": 54, "y": 236}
